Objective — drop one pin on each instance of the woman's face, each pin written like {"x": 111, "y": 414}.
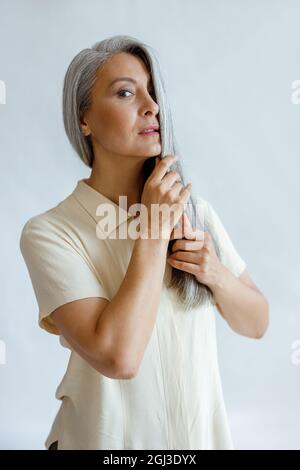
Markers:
{"x": 119, "y": 111}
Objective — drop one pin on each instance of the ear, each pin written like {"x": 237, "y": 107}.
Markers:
{"x": 85, "y": 129}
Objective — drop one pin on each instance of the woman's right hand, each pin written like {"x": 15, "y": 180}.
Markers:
{"x": 163, "y": 187}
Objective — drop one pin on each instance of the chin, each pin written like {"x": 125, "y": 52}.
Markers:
{"x": 149, "y": 150}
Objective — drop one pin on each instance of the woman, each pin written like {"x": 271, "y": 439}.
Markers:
{"x": 136, "y": 311}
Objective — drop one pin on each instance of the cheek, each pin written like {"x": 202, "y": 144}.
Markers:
{"x": 113, "y": 122}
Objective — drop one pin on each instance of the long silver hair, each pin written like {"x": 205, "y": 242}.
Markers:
{"x": 78, "y": 82}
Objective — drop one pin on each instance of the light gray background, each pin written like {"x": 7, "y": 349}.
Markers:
{"x": 228, "y": 68}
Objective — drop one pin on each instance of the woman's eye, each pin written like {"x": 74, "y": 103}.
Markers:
{"x": 123, "y": 91}
{"x": 151, "y": 92}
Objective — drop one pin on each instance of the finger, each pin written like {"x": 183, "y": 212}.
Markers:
{"x": 207, "y": 239}
{"x": 184, "y": 266}
{"x": 181, "y": 228}
{"x": 177, "y": 231}
{"x": 185, "y": 193}
{"x": 188, "y": 256}
{"x": 199, "y": 235}
{"x": 188, "y": 231}
{"x": 163, "y": 166}
{"x": 187, "y": 245}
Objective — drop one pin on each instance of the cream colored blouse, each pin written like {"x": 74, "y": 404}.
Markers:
{"x": 175, "y": 401}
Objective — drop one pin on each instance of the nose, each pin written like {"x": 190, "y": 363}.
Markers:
{"x": 151, "y": 105}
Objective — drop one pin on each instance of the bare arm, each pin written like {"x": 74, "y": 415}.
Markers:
{"x": 112, "y": 336}
{"x": 242, "y": 304}
{"x": 238, "y": 300}
{"x": 129, "y": 318}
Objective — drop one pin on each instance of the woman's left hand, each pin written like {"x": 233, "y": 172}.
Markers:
{"x": 196, "y": 255}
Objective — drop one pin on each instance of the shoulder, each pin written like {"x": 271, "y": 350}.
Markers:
{"x": 39, "y": 223}
{"x": 43, "y": 231}
{"x": 35, "y": 225}
{"x": 51, "y": 222}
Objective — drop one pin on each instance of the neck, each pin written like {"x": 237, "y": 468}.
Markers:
{"x": 118, "y": 176}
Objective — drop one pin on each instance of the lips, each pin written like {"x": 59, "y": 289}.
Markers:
{"x": 153, "y": 128}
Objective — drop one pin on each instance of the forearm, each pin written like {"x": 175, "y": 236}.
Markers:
{"x": 129, "y": 318}
{"x": 244, "y": 308}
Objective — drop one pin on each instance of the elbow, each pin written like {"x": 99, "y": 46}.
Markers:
{"x": 261, "y": 333}
{"x": 114, "y": 361}
{"x": 124, "y": 369}
{"x": 113, "y": 367}
{"x": 264, "y": 320}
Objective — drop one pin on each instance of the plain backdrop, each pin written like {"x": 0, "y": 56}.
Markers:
{"x": 228, "y": 69}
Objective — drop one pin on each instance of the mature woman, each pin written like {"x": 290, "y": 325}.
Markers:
{"x": 137, "y": 311}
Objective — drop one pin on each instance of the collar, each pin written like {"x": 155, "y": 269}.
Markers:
{"x": 91, "y": 199}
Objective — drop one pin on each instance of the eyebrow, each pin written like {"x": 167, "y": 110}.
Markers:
{"x": 125, "y": 79}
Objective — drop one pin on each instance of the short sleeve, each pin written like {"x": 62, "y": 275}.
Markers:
{"x": 59, "y": 273}
{"x": 229, "y": 256}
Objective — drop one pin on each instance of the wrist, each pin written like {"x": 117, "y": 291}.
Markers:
{"x": 155, "y": 236}
{"x": 159, "y": 243}
{"x": 221, "y": 279}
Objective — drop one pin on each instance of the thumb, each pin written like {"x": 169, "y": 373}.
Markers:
{"x": 177, "y": 231}
{"x": 188, "y": 229}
